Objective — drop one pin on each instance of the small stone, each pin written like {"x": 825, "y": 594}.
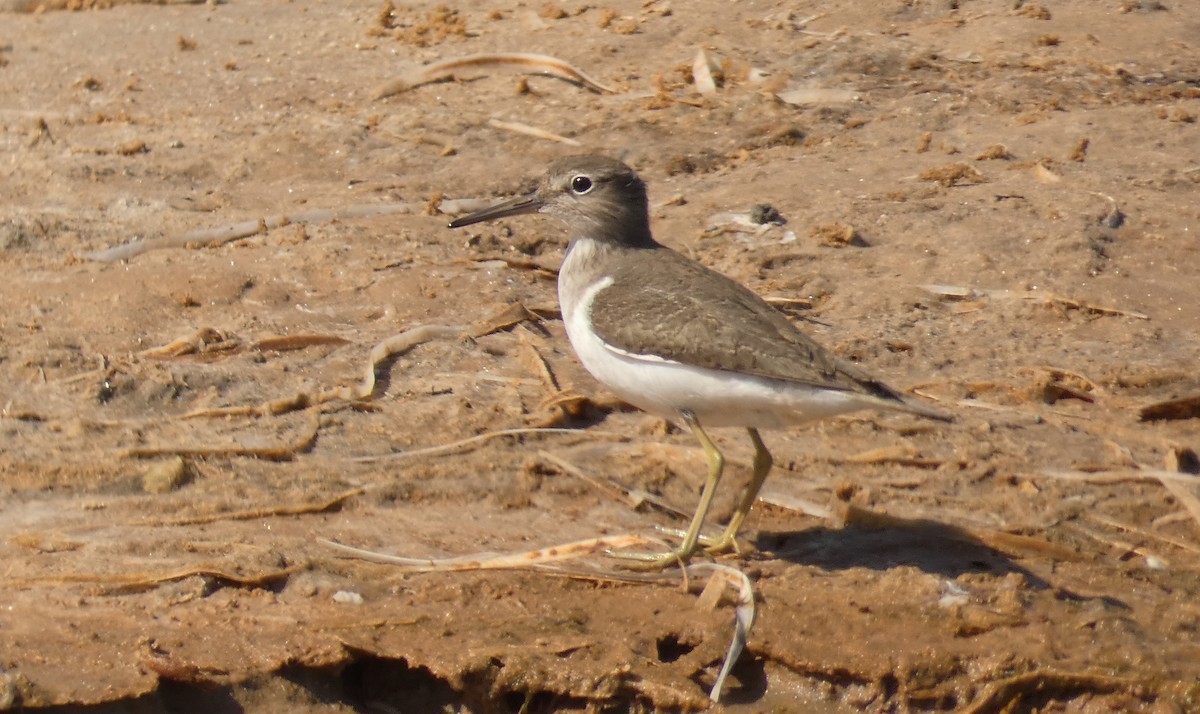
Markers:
{"x": 1114, "y": 219}
{"x": 348, "y": 597}
{"x": 763, "y": 213}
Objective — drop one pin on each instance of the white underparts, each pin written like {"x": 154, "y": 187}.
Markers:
{"x": 717, "y": 398}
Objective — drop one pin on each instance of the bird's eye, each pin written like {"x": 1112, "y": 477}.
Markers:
{"x": 581, "y": 185}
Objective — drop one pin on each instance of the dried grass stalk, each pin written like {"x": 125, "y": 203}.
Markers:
{"x": 214, "y": 237}
{"x": 527, "y": 130}
{"x": 445, "y": 69}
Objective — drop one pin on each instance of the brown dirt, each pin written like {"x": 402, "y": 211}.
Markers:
{"x": 965, "y": 144}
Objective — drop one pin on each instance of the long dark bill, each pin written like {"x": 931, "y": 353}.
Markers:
{"x": 529, "y": 203}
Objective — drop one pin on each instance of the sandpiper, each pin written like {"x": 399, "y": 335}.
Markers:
{"x": 679, "y": 340}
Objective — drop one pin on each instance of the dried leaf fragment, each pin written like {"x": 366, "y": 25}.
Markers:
{"x": 131, "y": 148}
{"x": 1079, "y": 151}
{"x": 440, "y": 23}
{"x": 837, "y": 235}
{"x": 1037, "y": 12}
{"x": 552, "y": 11}
{"x": 994, "y": 152}
{"x": 956, "y": 174}
{"x": 1044, "y": 174}
{"x": 702, "y": 75}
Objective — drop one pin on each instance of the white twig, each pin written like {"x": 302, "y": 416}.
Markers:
{"x": 743, "y": 616}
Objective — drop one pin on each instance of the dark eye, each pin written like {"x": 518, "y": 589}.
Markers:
{"x": 581, "y": 184}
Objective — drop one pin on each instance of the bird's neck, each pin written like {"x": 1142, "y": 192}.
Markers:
{"x": 632, "y": 233}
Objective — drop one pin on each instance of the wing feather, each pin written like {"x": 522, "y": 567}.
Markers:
{"x": 689, "y": 314}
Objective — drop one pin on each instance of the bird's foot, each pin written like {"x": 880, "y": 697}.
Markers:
{"x": 725, "y": 543}
{"x": 678, "y": 557}
{"x": 722, "y": 545}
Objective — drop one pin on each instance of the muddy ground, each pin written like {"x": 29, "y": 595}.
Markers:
{"x": 992, "y": 204}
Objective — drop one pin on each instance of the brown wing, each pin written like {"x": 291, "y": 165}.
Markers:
{"x": 677, "y": 309}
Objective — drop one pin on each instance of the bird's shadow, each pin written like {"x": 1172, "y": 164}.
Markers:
{"x": 931, "y": 546}
{"x": 881, "y": 542}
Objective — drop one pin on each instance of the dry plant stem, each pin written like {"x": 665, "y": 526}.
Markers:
{"x": 284, "y": 452}
{"x": 445, "y": 69}
{"x": 479, "y": 439}
{"x": 142, "y": 581}
{"x": 634, "y": 497}
{"x": 562, "y": 403}
{"x": 543, "y": 560}
{"x": 408, "y": 339}
{"x": 1119, "y": 546}
{"x": 1169, "y": 518}
{"x": 286, "y": 343}
{"x": 743, "y": 616}
{"x": 214, "y": 237}
{"x": 256, "y": 513}
{"x": 1125, "y": 475}
{"x": 200, "y": 341}
{"x": 1064, "y": 301}
{"x": 394, "y": 345}
{"x": 600, "y": 485}
{"x": 397, "y": 344}
{"x": 953, "y": 292}
{"x": 495, "y": 561}
{"x": 903, "y": 455}
{"x": 546, "y": 267}
{"x": 526, "y": 130}
{"x": 1032, "y": 415}
{"x": 273, "y": 407}
{"x": 382, "y": 351}
{"x": 101, "y": 367}
{"x": 533, "y": 360}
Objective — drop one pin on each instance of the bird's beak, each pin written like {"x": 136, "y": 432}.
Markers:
{"x": 529, "y": 203}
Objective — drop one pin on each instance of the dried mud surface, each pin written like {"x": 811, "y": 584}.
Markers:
{"x": 1039, "y": 161}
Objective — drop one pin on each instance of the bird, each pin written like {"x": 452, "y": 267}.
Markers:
{"x": 680, "y": 340}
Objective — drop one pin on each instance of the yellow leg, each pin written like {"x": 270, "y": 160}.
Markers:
{"x": 691, "y": 538}
{"x": 762, "y": 466}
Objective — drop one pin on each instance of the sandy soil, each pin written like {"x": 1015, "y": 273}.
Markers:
{"x": 1037, "y": 163}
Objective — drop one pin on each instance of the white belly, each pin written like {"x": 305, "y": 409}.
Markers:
{"x": 717, "y": 398}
